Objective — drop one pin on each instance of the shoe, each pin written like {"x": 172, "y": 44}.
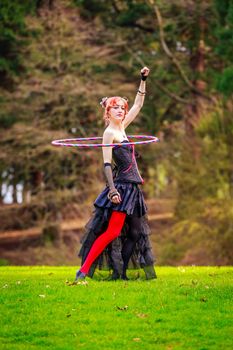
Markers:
{"x": 80, "y": 275}
{"x": 124, "y": 277}
{"x": 115, "y": 276}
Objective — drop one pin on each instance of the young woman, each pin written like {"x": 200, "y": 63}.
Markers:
{"x": 119, "y": 225}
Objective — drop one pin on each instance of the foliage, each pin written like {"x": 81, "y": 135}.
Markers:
{"x": 34, "y": 116}
{"x": 225, "y": 82}
{"x": 209, "y": 228}
{"x": 224, "y": 47}
{"x": 89, "y": 9}
{"x": 204, "y": 196}
{"x": 123, "y": 13}
{"x": 7, "y": 120}
{"x": 13, "y": 32}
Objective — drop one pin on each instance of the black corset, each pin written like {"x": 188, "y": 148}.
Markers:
{"x": 126, "y": 169}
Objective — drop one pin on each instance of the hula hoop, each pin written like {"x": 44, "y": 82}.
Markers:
{"x": 67, "y": 142}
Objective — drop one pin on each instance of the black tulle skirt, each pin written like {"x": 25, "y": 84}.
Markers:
{"x": 133, "y": 204}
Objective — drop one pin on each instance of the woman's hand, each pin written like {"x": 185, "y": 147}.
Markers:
{"x": 116, "y": 199}
{"x": 114, "y": 196}
{"x": 145, "y": 71}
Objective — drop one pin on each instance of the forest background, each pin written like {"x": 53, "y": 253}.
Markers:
{"x": 58, "y": 58}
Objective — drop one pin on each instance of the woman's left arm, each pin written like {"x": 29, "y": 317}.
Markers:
{"x": 139, "y": 99}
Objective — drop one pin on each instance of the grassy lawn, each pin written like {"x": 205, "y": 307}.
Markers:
{"x": 185, "y": 308}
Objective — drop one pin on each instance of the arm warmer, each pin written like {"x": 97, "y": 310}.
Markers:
{"x": 108, "y": 174}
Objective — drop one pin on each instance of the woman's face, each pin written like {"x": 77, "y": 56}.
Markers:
{"x": 117, "y": 112}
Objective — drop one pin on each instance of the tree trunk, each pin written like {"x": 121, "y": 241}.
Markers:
{"x": 36, "y": 181}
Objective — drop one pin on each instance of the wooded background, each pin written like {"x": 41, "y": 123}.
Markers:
{"x": 58, "y": 58}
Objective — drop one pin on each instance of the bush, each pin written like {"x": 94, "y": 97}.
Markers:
{"x": 206, "y": 237}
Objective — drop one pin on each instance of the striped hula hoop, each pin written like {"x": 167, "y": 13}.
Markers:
{"x": 73, "y": 142}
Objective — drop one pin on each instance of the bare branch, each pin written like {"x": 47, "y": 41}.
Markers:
{"x": 170, "y": 54}
{"x": 159, "y": 85}
{"x": 172, "y": 95}
{"x": 140, "y": 26}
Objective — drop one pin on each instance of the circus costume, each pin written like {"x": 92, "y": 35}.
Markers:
{"x": 131, "y": 244}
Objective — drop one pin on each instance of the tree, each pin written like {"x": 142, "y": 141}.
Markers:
{"x": 13, "y": 38}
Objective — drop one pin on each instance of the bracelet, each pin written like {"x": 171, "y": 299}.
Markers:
{"x": 141, "y": 92}
{"x": 112, "y": 193}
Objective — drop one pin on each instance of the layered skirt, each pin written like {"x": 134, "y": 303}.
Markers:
{"x": 133, "y": 204}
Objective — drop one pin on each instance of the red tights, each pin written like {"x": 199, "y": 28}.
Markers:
{"x": 115, "y": 225}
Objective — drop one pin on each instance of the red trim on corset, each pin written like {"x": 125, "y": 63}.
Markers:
{"x": 130, "y": 166}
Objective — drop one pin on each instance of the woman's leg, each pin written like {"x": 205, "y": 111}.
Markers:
{"x": 135, "y": 231}
{"x": 129, "y": 244}
{"x": 115, "y": 225}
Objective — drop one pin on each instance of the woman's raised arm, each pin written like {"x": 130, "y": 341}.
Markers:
{"x": 139, "y": 99}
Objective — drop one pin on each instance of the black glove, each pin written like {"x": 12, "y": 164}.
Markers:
{"x": 143, "y": 76}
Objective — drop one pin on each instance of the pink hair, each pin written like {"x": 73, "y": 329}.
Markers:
{"x": 111, "y": 102}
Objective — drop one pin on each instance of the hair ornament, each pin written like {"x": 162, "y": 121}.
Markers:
{"x": 103, "y": 102}
{"x": 125, "y": 98}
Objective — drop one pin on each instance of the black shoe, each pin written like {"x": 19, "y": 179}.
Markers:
{"x": 124, "y": 277}
{"x": 115, "y": 276}
{"x": 80, "y": 275}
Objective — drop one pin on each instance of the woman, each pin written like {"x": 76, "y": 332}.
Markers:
{"x": 120, "y": 210}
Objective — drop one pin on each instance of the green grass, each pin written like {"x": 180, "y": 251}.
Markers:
{"x": 185, "y": 308}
